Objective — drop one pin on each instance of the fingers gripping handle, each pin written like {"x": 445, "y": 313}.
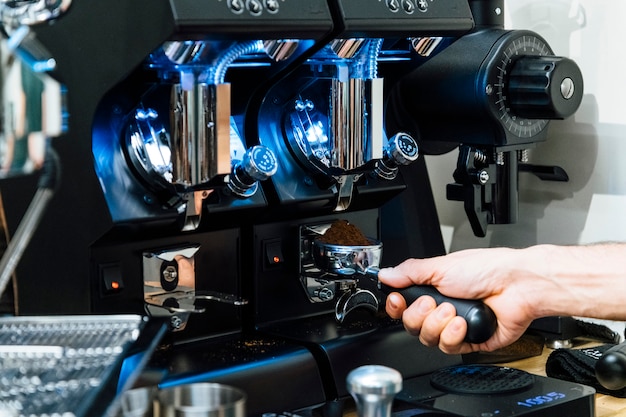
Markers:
{"x": 481, "y": 320}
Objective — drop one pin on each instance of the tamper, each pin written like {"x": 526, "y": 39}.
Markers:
{"x": 373, "y": 388}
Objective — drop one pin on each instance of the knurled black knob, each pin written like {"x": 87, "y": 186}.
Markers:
{"x": 544, "y": 87}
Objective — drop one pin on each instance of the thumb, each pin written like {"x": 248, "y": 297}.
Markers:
{"x": 395, "y": 277}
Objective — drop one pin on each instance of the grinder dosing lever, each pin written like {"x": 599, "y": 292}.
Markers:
{"x": 345, "y": 260}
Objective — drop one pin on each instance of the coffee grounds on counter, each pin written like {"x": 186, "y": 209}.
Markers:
{"x": 345, "y": 234}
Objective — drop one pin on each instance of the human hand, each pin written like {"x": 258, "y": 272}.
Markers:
{"x": 492, "y": 275}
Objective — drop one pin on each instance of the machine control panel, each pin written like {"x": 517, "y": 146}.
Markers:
{"x": 408, "y": 6}
{"x": 407, "y": 16}
{"x": 256, "y": 16}
{"x": 254, "y": 7}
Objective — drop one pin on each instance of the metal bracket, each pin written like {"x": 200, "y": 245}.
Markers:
{"x": 474, "y": 176}
{"x": 170, "y": 286}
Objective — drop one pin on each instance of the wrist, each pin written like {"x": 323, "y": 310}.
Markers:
{"x": 585, "y": 281}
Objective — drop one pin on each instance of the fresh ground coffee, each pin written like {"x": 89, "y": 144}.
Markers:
{"x": 345, "y": 234}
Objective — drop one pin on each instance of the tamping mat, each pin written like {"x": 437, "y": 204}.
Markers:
{"x": 481, "y": 379}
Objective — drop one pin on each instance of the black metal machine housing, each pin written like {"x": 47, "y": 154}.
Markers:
{"x": 275, "y": 84}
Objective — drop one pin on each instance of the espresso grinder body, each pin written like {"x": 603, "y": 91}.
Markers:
{"x": 128, "y": 222}
{"x": 208, "y": 145}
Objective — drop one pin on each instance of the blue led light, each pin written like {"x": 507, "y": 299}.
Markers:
{"x": 541, "y": 399}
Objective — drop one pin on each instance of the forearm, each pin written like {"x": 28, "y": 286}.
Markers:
{"x": 586, "y": 281}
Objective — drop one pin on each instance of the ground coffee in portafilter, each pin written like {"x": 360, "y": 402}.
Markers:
{"x": 345, "y": 234}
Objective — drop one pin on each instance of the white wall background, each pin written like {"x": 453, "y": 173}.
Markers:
{"x": 590, "y": 146}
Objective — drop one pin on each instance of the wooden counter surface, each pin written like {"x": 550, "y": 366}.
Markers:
{"x": 606, "y": 406}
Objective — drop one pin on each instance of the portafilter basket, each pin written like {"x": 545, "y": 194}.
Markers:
{"x": 347, "y": 259}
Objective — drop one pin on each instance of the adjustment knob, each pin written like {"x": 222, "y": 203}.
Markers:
{"x": 402, "y": 149}
{"x": 258, "y": 164}
{"x": 544, "y": 87}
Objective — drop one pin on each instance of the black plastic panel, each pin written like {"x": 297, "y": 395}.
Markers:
{"x": 240, "y": 18}
{"x": 407, "y": 17}
{"x": 276, "y": 375}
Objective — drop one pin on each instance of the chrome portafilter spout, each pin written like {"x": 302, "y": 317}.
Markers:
{"x": 374, "y": 388}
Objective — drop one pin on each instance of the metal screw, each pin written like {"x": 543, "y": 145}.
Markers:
{"x": 483, "y": 177}
{"x": 170, "y": 273}
{"x": 567, "y": 88}
{"x": 176, "y": 322}
{"x": 325, "y": 294}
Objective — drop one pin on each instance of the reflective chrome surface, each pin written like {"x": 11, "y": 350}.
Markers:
{"x": 200, "y": 138}
{"x": 50, "y": 365}
{"x": 374, "y": 388}
{"x": 356, "y": 134}
{"x": 347, "y": 259}
{"x": 346, "y": 48}
{"x": 202, "y": 400}
{"x": 29, "y": 12}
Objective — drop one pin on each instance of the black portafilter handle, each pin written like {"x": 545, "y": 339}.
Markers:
{"x": 480, "y": 318}
{"x": 611, "y": 368}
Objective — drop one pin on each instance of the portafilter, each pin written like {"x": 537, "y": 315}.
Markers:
{"x": 348, "y": 260}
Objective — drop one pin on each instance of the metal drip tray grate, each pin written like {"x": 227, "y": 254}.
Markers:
{"x": 56, "y": 366}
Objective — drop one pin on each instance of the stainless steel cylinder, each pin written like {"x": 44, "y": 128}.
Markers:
{"x": 200, "y": 132}
{"x": 374, "y": 388}
{"x": 355, "y": 122}
{"x": 201, "y": 400}
{"x": 137, "y": 402}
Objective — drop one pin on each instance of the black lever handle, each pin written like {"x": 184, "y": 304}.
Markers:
{"x": 481, "y": 320}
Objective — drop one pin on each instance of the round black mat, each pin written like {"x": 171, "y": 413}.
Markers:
{"x": 481, "y": 379}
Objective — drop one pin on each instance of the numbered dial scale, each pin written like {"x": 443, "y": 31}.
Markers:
{"x": 527, "y": 85}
